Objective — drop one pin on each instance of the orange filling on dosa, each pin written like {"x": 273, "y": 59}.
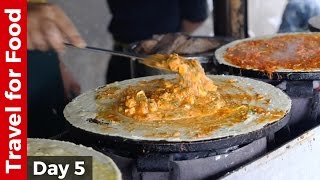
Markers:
{"x": 293, "y": 52}
{"x": 188, "y": 96}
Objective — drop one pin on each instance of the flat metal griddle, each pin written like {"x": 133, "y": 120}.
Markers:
{"x": 285, "y": 74}
{"x": 139, "y": 146}
{"x": 142, "y": 147}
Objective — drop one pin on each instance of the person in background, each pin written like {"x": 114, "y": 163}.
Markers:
{"x": 297, "y": 13}
{"x": 138, "y": 20}
{"x": 49, "y": 82}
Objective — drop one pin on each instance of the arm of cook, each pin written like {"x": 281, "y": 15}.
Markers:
{"x": 193, "y": 14}
{"x": 49, "y": 27}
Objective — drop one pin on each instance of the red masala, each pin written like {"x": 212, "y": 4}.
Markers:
{"x": 297, "y": 52}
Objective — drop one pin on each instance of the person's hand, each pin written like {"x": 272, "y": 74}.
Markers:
{"x": 50, "y": 28}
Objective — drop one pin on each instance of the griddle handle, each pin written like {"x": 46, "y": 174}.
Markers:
{"x": 154, "y": 163}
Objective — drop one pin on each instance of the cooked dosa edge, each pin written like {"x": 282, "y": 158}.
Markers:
{"x": 191, "y": 104}
{"x": 292, "y": 51}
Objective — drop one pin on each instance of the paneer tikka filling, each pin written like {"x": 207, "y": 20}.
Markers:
{"x": 188, "y": 96}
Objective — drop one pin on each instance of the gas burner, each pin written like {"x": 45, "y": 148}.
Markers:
{"x": 195, "y": 165}
{"x": 209, "y": 164}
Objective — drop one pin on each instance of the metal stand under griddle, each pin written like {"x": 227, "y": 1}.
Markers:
{"x": 178, "y": 167}
{"x": 209, "y": 164}
{"x": 305, "y": 100}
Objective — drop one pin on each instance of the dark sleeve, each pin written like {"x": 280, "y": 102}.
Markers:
{"x": 194, "y": 10}
{"x": 45, "y": 95}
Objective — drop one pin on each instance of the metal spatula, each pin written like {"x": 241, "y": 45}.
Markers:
{"x": 155, "y": 61}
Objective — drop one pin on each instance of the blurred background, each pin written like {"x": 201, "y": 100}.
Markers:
{"x": 92, "y": 18}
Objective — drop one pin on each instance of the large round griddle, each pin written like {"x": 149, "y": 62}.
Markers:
{"x": 279, "y": 74}
{"x": 141, "y": 147}
{"x": 77, "y": 115}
